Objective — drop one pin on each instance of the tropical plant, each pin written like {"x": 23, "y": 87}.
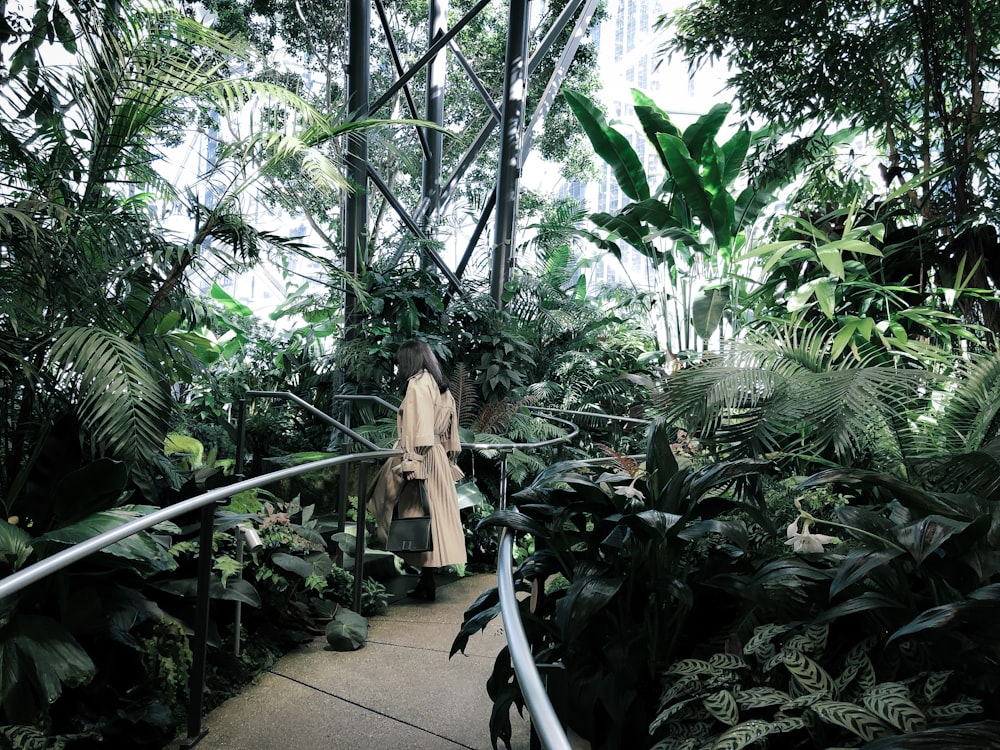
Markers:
{"x": 92, "y": 283}
{"x": 834, "y": 271}
{"x": 691, "y": 227}
{"x": 95, "y": 618}
{"x": 783, "y": 687}
{"x": 933, "y": 128}
{"x": 624, "y": 559}
{"x": 798, "y": 397}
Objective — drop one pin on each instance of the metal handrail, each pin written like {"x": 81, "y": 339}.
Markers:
{"x": 204, "y": 503}
{"x": 545, "y": 721}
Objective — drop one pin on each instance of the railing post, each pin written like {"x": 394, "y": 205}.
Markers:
{"x": 241, "y": 438}
{"x": 359, "y": 534}
{"x": 503, "y": 480}
{"x": 199, "y": 647}
{"x": 342, "y": 499}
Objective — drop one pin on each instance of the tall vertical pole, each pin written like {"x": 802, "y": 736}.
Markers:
{"x": 355, "y": 220}
{"x": 512, "y": 123}
{"x": 434, "y": 101}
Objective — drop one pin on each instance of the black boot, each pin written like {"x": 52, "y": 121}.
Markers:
{"x": 426, "y": 588}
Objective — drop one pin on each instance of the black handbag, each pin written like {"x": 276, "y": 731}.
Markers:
{"x": 412, "y": 534}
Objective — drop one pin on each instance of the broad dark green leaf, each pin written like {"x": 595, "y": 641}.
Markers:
{"x": 862, "y": 603}
{"x": 586, "y": 596}
{"x": 701, "y": 134}
{"x": 924, "y": 537}
{"x": 140, "y": 549}
{"x": 293, "y": 564}
{"x": 611, "y": 146}
{"x": 627, "y": 227}
{"x": 654, "y": 121}
{"x": 976, "y": 736}
{"x": 707, "y": 309}
{"x": 655, "y": 520}
{"x": 54, "y": 656}
{"x": 95, "y": 487}
{"x": 735, "y": 151}
{"x": 235, "y": 590}
{"x": 15, "y": 545}
{"x": 513, "y": 519}
{"x": 858, "y": 564}
{"x": 969, "y": 616}
{"x": 661, "y": 465}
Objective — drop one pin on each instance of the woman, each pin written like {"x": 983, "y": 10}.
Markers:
{"x": 427, "y": 430}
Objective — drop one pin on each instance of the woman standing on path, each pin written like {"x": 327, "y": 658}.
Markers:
{"x": 427, "y": 431}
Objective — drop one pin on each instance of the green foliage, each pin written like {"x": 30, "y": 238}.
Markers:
{"x": 694, "y": 223}
{"x": 795, "y": 399}
{"x": 632, "y": 550}
{"x": 778, "y": 685}
{"x": 822, "y": 67}
{"x": 92, "y": 619}
{"x": 840, "y": 272}
{"x": 347, "y": 631}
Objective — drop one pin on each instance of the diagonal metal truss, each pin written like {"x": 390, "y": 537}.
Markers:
{"x": 516, "y": 131}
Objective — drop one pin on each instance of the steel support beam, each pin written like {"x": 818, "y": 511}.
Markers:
{"x": 355, "y": 219}
{"x": 561, "y": 66}
{"x": 515, "y": 138}
{"x": 509, "y": 171}
{"x": 434, "y": 113}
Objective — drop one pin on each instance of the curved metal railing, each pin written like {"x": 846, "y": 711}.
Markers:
{"x": 545, "y": 721}
{"x": 204, "y": 503}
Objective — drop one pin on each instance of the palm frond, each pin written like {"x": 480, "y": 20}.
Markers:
{"x": 756, "y": 398}
{"x": 969, "y": 417}
{"x": 118, "y": 396}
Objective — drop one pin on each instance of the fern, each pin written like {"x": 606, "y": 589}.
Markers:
{"x": 756, "y": 398}
{"x": 118, "y": 395}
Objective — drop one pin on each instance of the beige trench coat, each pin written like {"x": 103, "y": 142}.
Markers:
{"x": 427, "y": 429}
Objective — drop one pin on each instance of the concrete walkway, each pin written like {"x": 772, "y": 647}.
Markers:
{"x": 399, "y": 691}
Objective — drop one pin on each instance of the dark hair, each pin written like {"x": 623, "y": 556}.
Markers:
{"x": 415, "y": 355}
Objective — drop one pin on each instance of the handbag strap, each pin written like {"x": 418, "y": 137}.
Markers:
{"x": 424, "y": 502}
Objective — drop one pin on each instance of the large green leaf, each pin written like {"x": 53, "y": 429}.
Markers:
{"x": 701, "y": 134}
{"x": 689, "y": 183}
{"x": 141, "y": 551}
{"x": 707, "y": 310}
{"x": 923, "y": 538}
{"x": 95, "y": 487}
{"x": 654, "y": 121}
{"x": 627, "y": 226}
{"x": 119, "y": 395}
{"x": 15, "y": 545}
{"x": 858, "y": 564}
{"x": 47, "y": 656}
{"x": 588, "y": 594}
{"x": 661, "y": 464}
{"x": 234, "y": 590}
{"x": 611, "y": 146}
{"x": 969, "y": 616}
{"x": 735, "y": 151}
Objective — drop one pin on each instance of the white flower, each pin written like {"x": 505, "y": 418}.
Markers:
{"x": 805, "y": 541}
{"x": 630, "y": 491}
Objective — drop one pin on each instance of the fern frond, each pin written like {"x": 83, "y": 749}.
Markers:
{"x": 756, "y": 398}
{"x": 118, "y": 396}
{"x": 463, "y": 389}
